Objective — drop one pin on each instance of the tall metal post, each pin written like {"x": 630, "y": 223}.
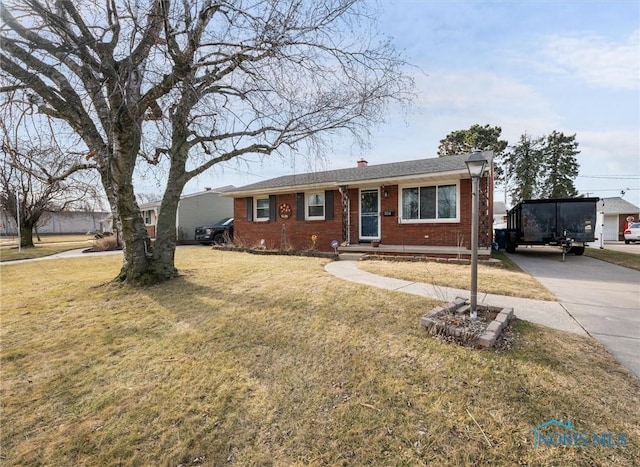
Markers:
{"x": 475, "y": 165}
{"x": 475, "y": 185}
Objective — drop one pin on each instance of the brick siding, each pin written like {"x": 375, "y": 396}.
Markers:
{"x": 297, "y": 233}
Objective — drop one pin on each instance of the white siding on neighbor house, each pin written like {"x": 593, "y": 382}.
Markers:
{"x": 200, "y": 209}
{"x": 61, "y": 222}
{"x": 7, "y": 224}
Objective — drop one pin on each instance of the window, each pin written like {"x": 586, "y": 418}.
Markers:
{"x": 147, "y": 217}
{"x": 315, "y": 206}
{"x": 262, "y": 209}
{"x": 428, "y": 203}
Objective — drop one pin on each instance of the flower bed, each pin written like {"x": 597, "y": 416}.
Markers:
{"x": 454, "y": 321}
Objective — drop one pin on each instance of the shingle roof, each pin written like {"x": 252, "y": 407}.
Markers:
{"x": 617, "y": 205}
{"x": 209, "y": 191}
{"x": 362, "y": 174}
{"x": 218, "y": 191}
{"x": 499, "y": 208}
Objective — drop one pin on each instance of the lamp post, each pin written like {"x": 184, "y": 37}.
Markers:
{"x": 476, "y": 164}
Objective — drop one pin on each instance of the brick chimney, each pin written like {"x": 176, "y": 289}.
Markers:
{"x": 362, "y": 163}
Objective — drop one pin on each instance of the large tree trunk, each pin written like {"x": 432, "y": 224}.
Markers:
{"x": 163, "y": 262}
{"x": 136, "y": 243}
{"x": 128, "y": 226}
{"x": 128, "y": 219}
{"x": 26, "y": 235}
{"x": 163, "y": 265}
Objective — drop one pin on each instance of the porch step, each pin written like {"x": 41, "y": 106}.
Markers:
{"x": 350, "y": 256}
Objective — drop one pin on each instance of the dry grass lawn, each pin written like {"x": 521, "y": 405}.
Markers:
{"x": 267, "y": 360}
{"x": 628, "y": 260}
{"x": 509, "y": 281}
{"x": 48, "y": 245}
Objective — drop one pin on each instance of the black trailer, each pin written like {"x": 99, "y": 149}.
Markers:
{"x": 567, "y": 223}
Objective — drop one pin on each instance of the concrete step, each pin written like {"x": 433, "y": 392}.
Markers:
{"x": 350, "y": 256}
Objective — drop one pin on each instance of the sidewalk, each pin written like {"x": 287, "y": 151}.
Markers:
{"x": 550, "y": 314}
{"x": 78, "y": 253}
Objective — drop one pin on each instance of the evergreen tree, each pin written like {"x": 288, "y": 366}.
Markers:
{"x": 482, "y": 138}
{"x": 560, "y": 166}
{"x": 523, "y": 164}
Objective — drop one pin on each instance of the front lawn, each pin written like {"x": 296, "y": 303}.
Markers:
{"x": 269, "y": 360}
{"x": 627, "y": 260}
{"x": 509, "y": 280}
{"x": 47, "y": 245}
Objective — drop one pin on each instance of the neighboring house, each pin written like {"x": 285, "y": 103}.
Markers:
{"x": 499, "y": 215}
{"x": 422, "y": 203}
{"x": 62, "y": 222}
{"x": 150, "y": 215}
{"x": 612, "y": 218}
{"x": 194, "y": 210}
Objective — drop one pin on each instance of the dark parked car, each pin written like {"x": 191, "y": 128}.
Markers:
{"x": 220, "y": 232}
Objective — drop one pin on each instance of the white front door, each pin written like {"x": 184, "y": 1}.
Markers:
{"x": 369, "y": 215}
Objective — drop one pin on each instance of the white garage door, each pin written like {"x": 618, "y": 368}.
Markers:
{"x": 611, "y": 228}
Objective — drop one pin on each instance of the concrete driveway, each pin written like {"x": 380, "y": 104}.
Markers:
{"x": 602, "y": 297}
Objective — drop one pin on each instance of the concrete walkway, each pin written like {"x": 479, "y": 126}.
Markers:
{"x": 78, "y": 253}
{"x": 592, "y": 314}
{"x": 551, "y": 314}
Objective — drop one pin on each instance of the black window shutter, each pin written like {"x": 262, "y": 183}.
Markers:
{"x": 272, "y": 207}
{"x": 328, "y": 204}
{"x": 250, "y": 209}
{"x": 300, "y": 206}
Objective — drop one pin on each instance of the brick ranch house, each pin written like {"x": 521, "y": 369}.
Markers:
{"x": 412, "y": 207}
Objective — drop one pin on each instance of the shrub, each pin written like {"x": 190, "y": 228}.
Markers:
{"x": 108, "y": 243}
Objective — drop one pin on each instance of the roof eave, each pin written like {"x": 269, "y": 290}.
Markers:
{"x": 432, "y": 176}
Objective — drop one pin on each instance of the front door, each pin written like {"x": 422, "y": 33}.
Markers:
{"x": 369, "y": 215}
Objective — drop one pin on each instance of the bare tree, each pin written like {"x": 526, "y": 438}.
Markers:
{"x": 187, "y": 85}
{"x": 38, "y": 179}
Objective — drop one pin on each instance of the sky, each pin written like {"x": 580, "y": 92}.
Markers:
{"x": 525, "y": 66}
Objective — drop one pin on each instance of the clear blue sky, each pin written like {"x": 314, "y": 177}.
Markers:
{"x": 526, "y": 66}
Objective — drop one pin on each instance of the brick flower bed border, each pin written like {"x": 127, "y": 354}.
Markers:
{"x": 410, "y": 258}
{"x": 435, "y": 326}
{"x": 259, "y": 251}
